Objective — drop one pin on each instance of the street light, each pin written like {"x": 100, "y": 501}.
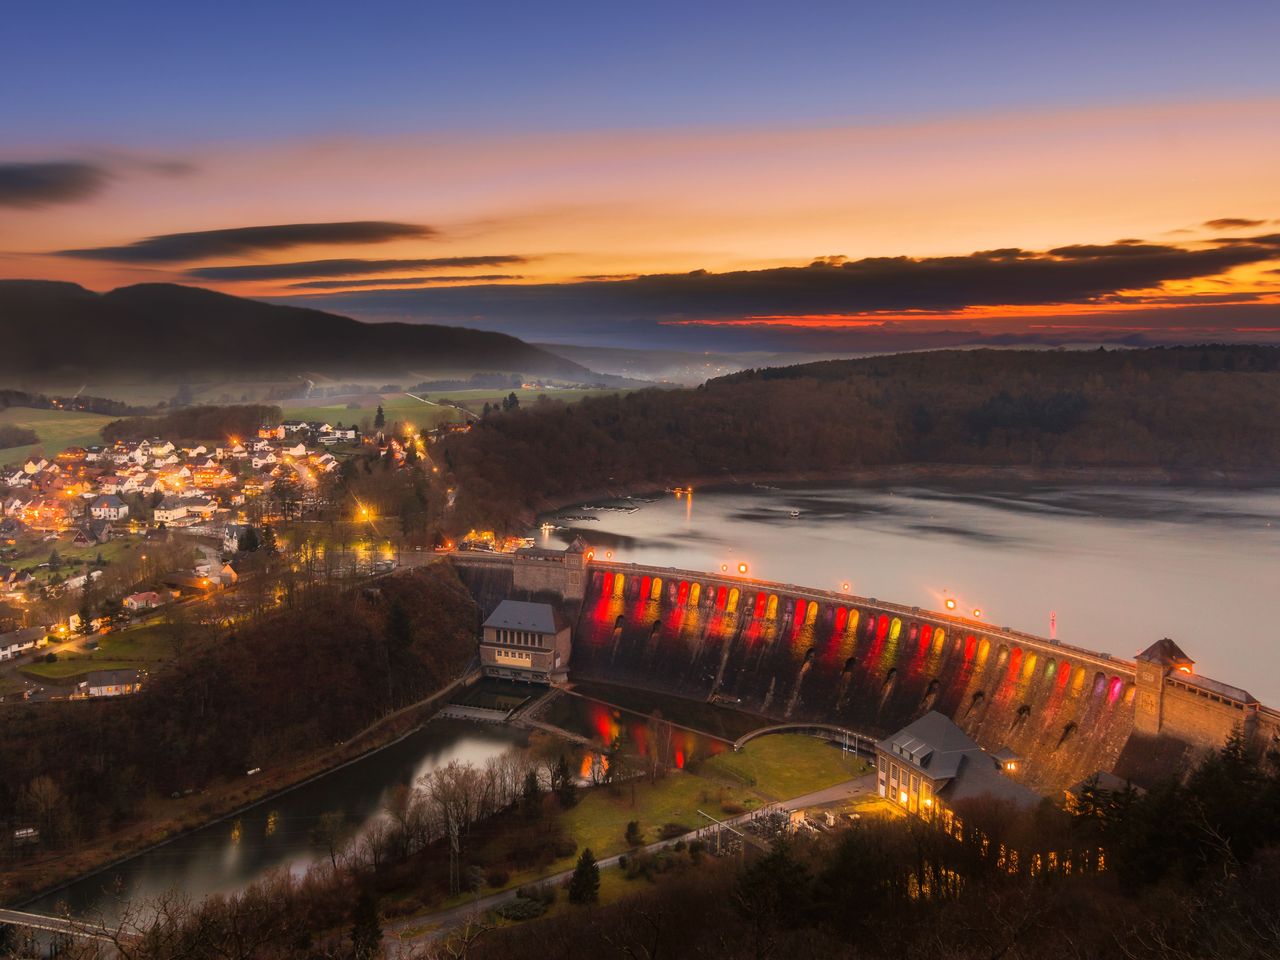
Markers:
{"x": 950, "y": 604}
{"x": 742, "y": 569}
{"x": 977, "y": 614}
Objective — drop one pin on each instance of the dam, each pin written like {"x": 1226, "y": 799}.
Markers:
{"x": 797, "y": 655}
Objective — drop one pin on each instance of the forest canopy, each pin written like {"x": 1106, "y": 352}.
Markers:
{"x": 1181, "y": 410}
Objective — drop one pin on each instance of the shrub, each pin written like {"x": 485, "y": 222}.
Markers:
{"x": 732, "y": 807}
{"x": 521, "y": 908}
{"x": 634, "y": 835}
{"x": 564, "y": 847}
{"x": 497, "y": 877}
{"x": 670, "y": 831}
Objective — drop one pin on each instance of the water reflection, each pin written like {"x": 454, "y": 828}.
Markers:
{"x": 277, "y": 833}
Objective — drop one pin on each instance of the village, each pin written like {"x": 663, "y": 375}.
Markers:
{"x": 102, "y": 539}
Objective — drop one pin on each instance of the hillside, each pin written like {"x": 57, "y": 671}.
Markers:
{"x": 1189, "y": 412}
{"x": 175, "y": 331}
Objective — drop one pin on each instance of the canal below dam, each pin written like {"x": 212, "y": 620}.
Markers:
{"x": 1108, "y": 568}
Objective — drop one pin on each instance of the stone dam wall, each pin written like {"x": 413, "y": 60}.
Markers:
{"x": 798, "y": 655}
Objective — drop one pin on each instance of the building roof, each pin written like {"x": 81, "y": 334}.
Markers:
{"x": 1217, "y": 687}
{"x": 521, "y": 615}
{"x": 1165, "y": 652}
{"x": 1102, "y": 780}
{"x": 108, "y": 500}
{"x": 933, "y": 744}
{"x": 945, "y": 754}
{"x": 111, "y": 678}
{"x": 29, "y": 635}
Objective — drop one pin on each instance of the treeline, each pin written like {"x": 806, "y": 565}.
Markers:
{"x": 11, "y": 436}
{"x": 1179, "y": 409}
{"x": 38, "y": 401}
{"x": 258, "y": 697}
{"x": 195, "y": 423}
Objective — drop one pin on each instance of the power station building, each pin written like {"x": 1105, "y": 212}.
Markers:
{"x": 930, "y": 765}
{"x": 525, "y": 641}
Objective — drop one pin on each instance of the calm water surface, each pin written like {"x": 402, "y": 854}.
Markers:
{"x": 231, "y": 854}
{"x": 1117, "y": 567}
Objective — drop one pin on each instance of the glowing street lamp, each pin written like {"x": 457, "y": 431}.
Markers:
{"x": 844, "y": 587}
{"x": 949, "y": 603}
{"x": 977, "y": 614}
{"x": 742, "y": 569}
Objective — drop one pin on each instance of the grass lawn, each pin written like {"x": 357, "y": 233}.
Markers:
{"x": 784, "y": 765}
{"x": 57, "y": 429}
{"x": 775, "y": 767}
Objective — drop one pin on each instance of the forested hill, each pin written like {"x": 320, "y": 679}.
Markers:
{"x": 1180, "y": 409}
{"x": 171, "y": 331}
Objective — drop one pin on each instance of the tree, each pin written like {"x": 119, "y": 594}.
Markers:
{"x": 563, "y": 785}
{"x": 366, "y": 932}
{"x": 269, "y": 543}
{"x": 379, "y": 419}
{"x": 531, "y": 795}
{"x": 248, "y": 541}
{"x": 634, "y": 836}
{"x": 55, "y": 561}
{"x": 584, "y": 885}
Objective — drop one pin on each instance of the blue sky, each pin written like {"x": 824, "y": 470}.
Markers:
{"x": 171, "y": 72}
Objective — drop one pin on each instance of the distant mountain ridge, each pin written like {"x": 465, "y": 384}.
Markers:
{"x": 173, "y": 330}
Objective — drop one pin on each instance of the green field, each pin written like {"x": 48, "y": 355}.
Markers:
{"x": 57, "y": 429}
{"x": 137, "y": 647}
{"x": 402, "y": 407}
{"x": 777, "y": 767}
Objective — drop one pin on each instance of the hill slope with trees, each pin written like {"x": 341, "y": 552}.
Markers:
{"x": 172, "y": 330}
{"x": 1185, "y": 411}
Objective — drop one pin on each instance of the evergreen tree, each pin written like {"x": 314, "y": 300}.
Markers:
{"x": 269, "y": 543}
{"x": 366, "y": 932}
{"x": 55, "y": 561}
{"x": 563, "y": 785}
{"x": 531, "y": 795}
{"x": 248, "y": 541}
{"x": 584, "y": 885}
{"x": 379, "y": 419}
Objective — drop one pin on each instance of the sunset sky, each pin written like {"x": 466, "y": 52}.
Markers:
{"x": 754, "y": 175}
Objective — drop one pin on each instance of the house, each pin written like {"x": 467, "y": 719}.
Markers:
{"x": 931, "y": 765}
{"x": 169, "y": 510}
{"x": 293, "y": 426}
{"x": 271, "y": 433}
{"x": 189, "y": 583}
{"x": 141, "y": 601}
{"x": 34, "y": 465}
{"x": 201, "y": 507}
{"x": 112, "y": 683}
{"x": 11, "y": 528}
{"x": 19, "y": 641}
{"x": 79, "y": 580}
{"x": 231, "y": 535}
{"x": 109, "y": 507}
{"x": 525, "y": 641}
{"x": 265, "y": 459}
{"x": 93, "y": 533}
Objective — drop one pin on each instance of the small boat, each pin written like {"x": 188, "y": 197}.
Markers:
{"x": 795, "y": 514}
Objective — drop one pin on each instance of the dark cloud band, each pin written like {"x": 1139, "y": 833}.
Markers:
{"x": 344, "y": 267}
{"x": 199, "y": 245}
{"x": 44, "y": 184}
{"x": 399, "y": 281}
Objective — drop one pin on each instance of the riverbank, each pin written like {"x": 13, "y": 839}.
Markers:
{"x": 924, "y": 473}
{"x": 170, "y": 819}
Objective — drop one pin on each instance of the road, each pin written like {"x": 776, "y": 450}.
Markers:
{"x": 447, "y": 920}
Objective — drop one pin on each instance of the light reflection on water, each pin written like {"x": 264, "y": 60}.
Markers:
{"x": 1119, "y": 566}
{"x": 277, "y": 833}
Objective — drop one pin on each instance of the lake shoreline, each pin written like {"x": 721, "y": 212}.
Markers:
{"x": 925, "y": 473}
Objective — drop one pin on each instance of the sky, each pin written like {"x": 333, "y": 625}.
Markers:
{"x": 712, "y": 175}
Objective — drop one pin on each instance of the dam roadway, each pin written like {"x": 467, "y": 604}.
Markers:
{"x": 796, "y": 655}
